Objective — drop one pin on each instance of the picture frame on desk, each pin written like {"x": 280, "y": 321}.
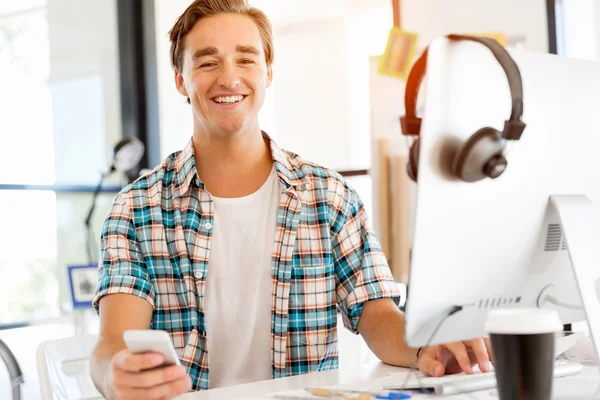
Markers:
{"x": 82, "y": 284}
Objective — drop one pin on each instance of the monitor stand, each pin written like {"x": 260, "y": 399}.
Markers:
{"x": 581, "y": 229}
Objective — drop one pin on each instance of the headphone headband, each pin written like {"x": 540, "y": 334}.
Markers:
{"x": 513, "y": 128}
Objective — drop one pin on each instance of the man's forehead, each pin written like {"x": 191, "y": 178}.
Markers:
{"x": 226, "y": 33}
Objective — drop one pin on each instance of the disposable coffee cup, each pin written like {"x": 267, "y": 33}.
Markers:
{"x": 523, "y": 351}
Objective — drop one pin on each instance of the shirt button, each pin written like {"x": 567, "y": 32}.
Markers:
{"x": 198, "y": 275}
{"x": 208, "y": 226}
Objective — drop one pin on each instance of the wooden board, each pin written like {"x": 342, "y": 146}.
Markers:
{"x": 383, "y": 195}
{"x": 400, "y": 218}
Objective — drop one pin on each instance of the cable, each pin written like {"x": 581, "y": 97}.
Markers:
{"x": 553, "y": 300}
{"x": 415, "y": 363}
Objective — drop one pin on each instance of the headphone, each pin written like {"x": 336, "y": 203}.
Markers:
{"x": 482, "y": 155}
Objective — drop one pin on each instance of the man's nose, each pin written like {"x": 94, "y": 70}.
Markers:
{"x": 228, "y": 77}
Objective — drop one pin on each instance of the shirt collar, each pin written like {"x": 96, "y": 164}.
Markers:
{"x": 288, "y": 169}
{"x": 185, "y": 170}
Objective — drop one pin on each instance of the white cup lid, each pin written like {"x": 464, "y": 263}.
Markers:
{"x": 515, "y": 321}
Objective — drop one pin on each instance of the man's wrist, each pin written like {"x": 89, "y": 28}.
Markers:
{"x": 418, "y": 355}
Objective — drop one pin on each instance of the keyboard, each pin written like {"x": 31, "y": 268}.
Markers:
{"x": 463, "y": 383}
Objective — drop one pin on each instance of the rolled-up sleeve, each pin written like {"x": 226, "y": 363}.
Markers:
{"x": 362, "y": 271}
{"x": 122, "y": 268}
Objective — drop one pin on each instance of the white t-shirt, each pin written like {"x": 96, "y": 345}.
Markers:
{"x": 238, "y": 291}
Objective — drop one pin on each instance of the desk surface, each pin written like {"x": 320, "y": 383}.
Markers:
{"x": 585, "y": 383}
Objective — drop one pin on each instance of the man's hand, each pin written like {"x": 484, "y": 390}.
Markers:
{"x": 456, "y": 357}
{"x": 139, "y": 376}
{"x": 382, "y": 326}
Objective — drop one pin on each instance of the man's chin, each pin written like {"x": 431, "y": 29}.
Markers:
{"x": 229, "y": 127}
{"x": 233, "y": 129}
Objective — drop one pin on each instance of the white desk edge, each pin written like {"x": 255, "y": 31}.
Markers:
{"x": 354, "y": 374}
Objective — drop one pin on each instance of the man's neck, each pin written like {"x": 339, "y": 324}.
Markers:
{"x": 232, "y": 166}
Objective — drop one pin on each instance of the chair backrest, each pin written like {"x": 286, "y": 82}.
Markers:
{"x": 63, "y": 368}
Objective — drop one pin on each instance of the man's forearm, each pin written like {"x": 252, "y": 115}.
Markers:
{"x": 382, "y": 327}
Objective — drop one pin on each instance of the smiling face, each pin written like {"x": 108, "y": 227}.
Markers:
{"x": 224, "y": 74}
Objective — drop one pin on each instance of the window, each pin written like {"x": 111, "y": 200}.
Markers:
{"x": 25, "y": 62}
{"x": 574, "y": 27}
{"x": 60, "y": 116}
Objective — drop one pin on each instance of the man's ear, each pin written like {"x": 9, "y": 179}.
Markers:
{"x": 269, "y": 75}
{"x": 180, "y": 84}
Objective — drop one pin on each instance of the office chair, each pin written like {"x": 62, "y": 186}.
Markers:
{"x": 63, "y": 368}
{"x": 14, "y": 371}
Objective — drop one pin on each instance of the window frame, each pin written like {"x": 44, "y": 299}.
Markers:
{"x": 556, "y": 31}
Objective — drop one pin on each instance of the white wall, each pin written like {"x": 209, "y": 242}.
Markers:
{"x": 311, "y": 94}
{"x": 430, "y": 18}
{"x": 322, "y": 93}
{"x": 581, "y": 22}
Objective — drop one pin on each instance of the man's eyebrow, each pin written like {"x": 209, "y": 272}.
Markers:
{"x": 207, "y": 51}
{"x": 247, "y": 49}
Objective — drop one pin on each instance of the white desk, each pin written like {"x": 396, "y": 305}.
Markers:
{"x": 585, "y": 383}
{"x": 358, "y": 363}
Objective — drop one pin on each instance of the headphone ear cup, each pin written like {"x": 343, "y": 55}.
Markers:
{"x": 413, "y": 160}
{"x": 480, "y": 157}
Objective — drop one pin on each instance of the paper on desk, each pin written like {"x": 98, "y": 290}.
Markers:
{"x": 373, "y": 385}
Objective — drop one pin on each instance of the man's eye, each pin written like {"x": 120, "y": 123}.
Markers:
{"x": 205, "y": 65}
{"x": 247, "y": 62}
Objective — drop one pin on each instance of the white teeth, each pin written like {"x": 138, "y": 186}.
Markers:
{"x": 229, "y": 99}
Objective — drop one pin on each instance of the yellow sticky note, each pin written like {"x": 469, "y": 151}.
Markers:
{"x": 399, "y": 53}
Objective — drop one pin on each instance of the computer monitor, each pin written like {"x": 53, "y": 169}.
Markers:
{"x": 500, "y": 242}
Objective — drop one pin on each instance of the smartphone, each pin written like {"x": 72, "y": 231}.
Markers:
{"x": 150, "y": 340}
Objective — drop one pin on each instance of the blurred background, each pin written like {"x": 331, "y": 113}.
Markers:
{"x": 78, "y": 76}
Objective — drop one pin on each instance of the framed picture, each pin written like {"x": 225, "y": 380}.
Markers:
{"x": 82, "y": 282}
{"x": 399, "y": 53}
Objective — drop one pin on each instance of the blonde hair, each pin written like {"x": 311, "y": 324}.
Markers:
{"x": 200, "y": 9}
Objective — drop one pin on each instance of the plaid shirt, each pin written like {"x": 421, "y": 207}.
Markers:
{"x": 156, "y": 243}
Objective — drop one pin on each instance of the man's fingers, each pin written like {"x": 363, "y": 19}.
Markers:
{"x": 150, "y": 378}
{"x": 164, "y": 391}
{"x": 488, "y": 346}
{"x": 430, "y": 366}
{"x": 478, "y": 348}
{"x": 130, "y": 362}
{"x": 459, "y": 350}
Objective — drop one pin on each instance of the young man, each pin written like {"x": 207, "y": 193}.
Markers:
{"x": 238, "y": 249}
